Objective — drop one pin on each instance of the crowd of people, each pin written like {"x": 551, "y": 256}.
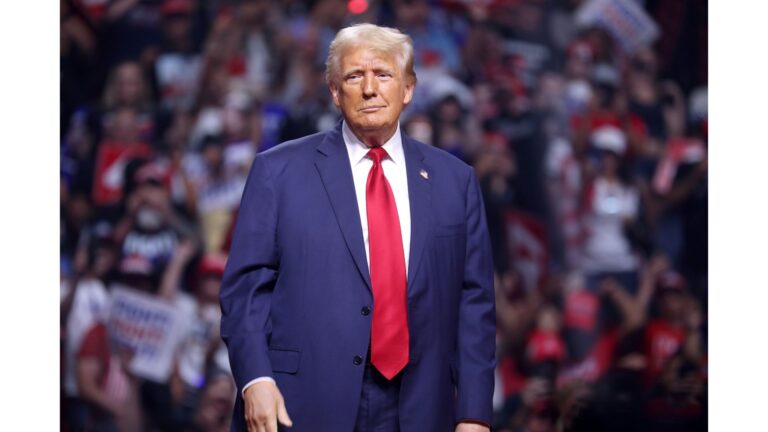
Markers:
{"x": 590, "y": 145}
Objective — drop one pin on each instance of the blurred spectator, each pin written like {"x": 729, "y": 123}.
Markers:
{"x": 101, "y": 393}
{"x": 610, "y": 206}
{"x": 217, "y": 193}
{"x": 150, "y": 229}
{"x": 564, "y": 184}
{"x": 496, "y": 170}
{"x": 545, "y": 349}
{"x": 241, "y": 131}
{"x": 263, "y": 46}
{"x": 178, "y": 64}
{"x": 679, "y": 403}
{"x": 127, "y": 88}
{"x": 199, "y": 346}
{"x": 645, "y": 94}
{"x": 78, "y": 61}
{"x": 123, "y": 129}
{"x": 419, "y": 127}
{"x": 214, "y": 410}
{"x": 448, "y": 126}
{"x": 121, "y": 145}
{"x": 84, "y": 305}
{"x": 666, "y": 334}
{"x": 522, "y": 127}
{"x": 432, "y": 41}
{"x": 75, "y": 188}
{"x": 77, "y": 157}
{"x": 680, "y": 185}
{"x": 581, "y": 320}
{"x": 132, "y": 30}
{"x": 177, "y": 159}
{"x": 104, "y": 384}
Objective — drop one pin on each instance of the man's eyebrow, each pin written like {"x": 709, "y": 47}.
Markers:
{"x": 376, "y": 69}
{"x": 353, "y": 71}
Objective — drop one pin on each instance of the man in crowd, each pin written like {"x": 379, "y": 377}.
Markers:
{"x": 358, "y": 294}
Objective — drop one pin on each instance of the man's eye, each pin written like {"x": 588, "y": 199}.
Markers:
{"x": 353, "y": 77}
{"x": 384, "y": 75}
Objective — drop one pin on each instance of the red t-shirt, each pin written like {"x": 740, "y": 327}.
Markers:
{"x": 111, "y": 160}
{"x": 595, "y": 364}
{"x": 662, "y": 340}
{"x": 112, "y": 378}
{"x": 96, "y": 345}
{"x": 512, "y": 379}
{"x": 581, "y": 308}
{"x": 545, "y": 346}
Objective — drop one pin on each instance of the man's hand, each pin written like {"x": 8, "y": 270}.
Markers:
{"x": 471, "y": 427}
{"x": 264, "y": 407}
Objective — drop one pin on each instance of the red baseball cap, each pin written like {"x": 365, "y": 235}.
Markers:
{"x": 212, "y": 264}
{"x": 174, "y": 7}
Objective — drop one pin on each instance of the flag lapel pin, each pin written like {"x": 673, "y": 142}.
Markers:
{"x": 424, "y": 174}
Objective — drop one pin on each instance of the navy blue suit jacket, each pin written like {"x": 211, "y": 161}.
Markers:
{"x": 297, "y": 281}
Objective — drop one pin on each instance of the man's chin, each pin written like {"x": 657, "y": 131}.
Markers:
{"x": 369, "y": 125}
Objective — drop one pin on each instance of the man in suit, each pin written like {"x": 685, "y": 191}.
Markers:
{"x": 358, "y": 295}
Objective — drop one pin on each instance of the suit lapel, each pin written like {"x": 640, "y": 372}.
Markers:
{"x": 420, "y": 197}
{"x": 335, "y": 172}
{"x": 336, "y": 175}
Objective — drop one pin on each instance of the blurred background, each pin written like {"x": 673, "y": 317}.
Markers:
{"x": 585, "y": 121}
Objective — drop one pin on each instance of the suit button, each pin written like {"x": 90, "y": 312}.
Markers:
{"x": 357, "y": 360}
{"x": 365, "y": 310}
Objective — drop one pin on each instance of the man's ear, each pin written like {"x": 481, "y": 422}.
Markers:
{"x": 334, "y": 93}
{"x": 409, "y": 87}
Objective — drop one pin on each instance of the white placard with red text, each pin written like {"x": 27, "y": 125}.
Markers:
{"x": 149, "y": 327}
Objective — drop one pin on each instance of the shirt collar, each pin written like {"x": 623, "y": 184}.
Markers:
{"x": 357, "y": 150}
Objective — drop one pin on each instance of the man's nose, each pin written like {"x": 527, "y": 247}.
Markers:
{"x": 369, "y": 85}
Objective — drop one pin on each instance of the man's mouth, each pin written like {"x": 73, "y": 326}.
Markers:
{"x": 371, "y": 109}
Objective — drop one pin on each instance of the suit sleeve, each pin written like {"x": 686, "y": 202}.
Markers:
{"x": 476, "y": 345}
{"x": 249, "y": 278}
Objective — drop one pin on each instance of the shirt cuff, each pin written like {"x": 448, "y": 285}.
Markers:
{"x": 478, "y": 422}
{"x": 254, "y": 381}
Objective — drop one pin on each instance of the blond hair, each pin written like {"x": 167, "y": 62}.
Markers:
{"x": 383, "y": 39}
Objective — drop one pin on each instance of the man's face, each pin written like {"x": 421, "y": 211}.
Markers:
{"x": 371, "y": 92}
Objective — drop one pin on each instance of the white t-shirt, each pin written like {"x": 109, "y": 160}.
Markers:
{"x": 606, "y": 248}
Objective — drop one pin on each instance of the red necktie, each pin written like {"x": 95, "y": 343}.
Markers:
{"x": 389, "y": 329}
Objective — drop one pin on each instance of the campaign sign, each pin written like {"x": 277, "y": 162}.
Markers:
{"x": 625, "y": 20}
{"x": 149, "y": 328}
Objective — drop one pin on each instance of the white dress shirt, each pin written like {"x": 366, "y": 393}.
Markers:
{"x": 394, "y": 171}
{"x": 397, "y": 177}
